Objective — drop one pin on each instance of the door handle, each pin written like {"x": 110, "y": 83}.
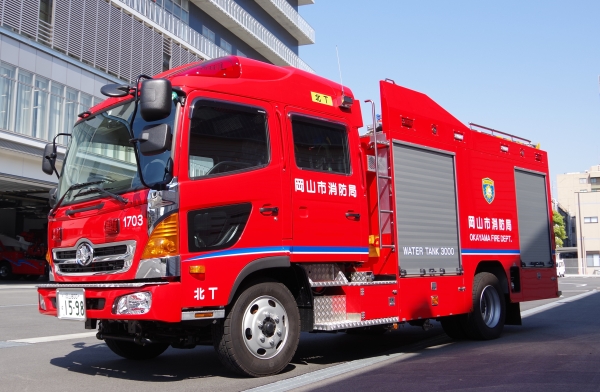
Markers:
{"x": 269, "y": 210}
{"x": 353, "y": 215}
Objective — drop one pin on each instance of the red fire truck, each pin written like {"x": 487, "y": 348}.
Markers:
{"x": 235, "y": 200}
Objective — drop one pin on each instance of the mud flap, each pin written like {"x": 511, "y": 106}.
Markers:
{"x": 513, "y": 313}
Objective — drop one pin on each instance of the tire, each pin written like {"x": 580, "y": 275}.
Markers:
{"x": 5, "y": 270}
{"x": 135, "y": 351}
{"x": 454, "y": 326}
{"x": 486, "y": 321}
{"x": 260, "y": 333}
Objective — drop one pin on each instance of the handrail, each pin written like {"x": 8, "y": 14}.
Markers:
{"x": 295, "y": 17}
{"x": 183, "y": 31}
{"x": 176, "y": 27}
{"x": 494, "y": 131}
{"x": 252, "y": 26}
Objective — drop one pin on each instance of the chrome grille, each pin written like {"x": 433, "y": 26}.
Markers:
{"x": 102, "y": 266}
{"x": 115, "y": 257}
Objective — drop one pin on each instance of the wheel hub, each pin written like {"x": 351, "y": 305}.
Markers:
{"x": 490, "y": 306}
{"x": 264, "y": 327}
{"x": 268, "y": 328}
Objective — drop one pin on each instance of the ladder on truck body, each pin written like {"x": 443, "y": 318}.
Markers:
{"x": 383, "y": 176}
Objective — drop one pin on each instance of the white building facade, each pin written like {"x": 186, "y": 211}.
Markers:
{"x": 579, "y": 194}
{"x": 56, "y": 54}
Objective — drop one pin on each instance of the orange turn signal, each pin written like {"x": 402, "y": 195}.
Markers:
{"x": 198, "y": 271}
{"x": 164, "y": 240}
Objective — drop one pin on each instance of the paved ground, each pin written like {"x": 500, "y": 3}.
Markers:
{"x": 556, "y": 349}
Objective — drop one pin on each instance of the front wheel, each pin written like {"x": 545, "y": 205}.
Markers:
{"x": 489, "y": 310}
{"x": 260, "y": 334}
{"x": 131, "y": 350}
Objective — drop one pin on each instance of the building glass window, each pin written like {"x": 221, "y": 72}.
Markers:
{"x": 240, "y": 53}
{"x": 46, "y": 11}
{"x": 57, "y": 92}
{"x": 70, "y": 112}
{"x": 39, "y": 128}
{"x": 177, "y": 8}
{"x": 593, "y": 180}
{"x": 24, "y": 95}
{"x": 590, "y": 219}
{"x": 208, "y": 33}
{"x": 593, "y": 259}
{"x": 583, "y": 180}
{"x": 7, "y": 86}
{"x": 39, "y": 107}
{"x": 226, "y": 46}
{"x": 85, "y": 102}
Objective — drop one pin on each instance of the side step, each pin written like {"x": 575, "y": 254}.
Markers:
{"x": 331, "y": 315}
{"x": 337, "y": 325}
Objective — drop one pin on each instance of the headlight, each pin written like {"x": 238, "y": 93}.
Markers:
{"x": 136, "y": 303}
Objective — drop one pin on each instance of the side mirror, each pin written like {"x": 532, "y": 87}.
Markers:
{"x": 155, "y": 99}
{"x": 52, "y": 199}
{"x": 49, "y": 159}
{"x": 155, "y": 139}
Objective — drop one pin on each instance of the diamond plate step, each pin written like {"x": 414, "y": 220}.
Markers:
{"x": 346, "y": 324}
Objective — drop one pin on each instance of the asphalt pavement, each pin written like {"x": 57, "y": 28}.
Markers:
{"x": 557, "y": 348}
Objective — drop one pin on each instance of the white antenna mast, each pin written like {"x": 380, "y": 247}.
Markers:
{"x": 340, "y": 69}
{"x": 346, "y": 102}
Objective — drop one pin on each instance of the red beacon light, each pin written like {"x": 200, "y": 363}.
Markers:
{"x": 223, "y": 67}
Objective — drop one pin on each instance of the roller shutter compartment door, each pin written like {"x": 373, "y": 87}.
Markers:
{"x": 534, "y": 221}
{"x": 426, "y": 210}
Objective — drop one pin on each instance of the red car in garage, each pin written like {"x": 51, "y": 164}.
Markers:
{"x": 15, "y": 262}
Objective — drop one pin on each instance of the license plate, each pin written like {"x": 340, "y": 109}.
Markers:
{"x": 71, "y": 304}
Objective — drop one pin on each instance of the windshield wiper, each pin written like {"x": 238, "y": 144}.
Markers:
{"x": 72, "y": 188}
{"x": 104, "y": 192}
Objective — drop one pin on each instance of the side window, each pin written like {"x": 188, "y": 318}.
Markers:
{"x": 216, "y": 228}
{"x": 320, "y": 145}
{"x": 226, "y": 138}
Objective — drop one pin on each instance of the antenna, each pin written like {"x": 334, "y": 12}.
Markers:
{"x": 340, "y": 69}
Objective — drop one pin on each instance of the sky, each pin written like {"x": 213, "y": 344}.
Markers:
{"x": 529, "y": 67}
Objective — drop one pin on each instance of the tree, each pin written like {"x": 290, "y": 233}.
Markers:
{"x": 559, "y": 229}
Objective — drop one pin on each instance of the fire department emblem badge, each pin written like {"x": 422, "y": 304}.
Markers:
{"x": 489, "y": 191}
{"x": 84, "y": 254}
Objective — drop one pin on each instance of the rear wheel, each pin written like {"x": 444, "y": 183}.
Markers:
{"x": 489, "y": 310}
{"x": 135, "y": 351}
{"x": 5, "y": 270}
{"x": 260, "y": 334}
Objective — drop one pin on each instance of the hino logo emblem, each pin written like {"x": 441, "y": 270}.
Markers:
{"x": 85, "y": 254}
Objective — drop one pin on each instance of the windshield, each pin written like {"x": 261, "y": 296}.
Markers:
{"x": 100, "y": 153}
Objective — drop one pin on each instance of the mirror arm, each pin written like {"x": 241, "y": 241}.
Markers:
{"x": 137, "y": 84}
{"x": 52, "y": 157}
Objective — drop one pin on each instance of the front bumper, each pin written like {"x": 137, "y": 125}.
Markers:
{"x": 100, "y": 298}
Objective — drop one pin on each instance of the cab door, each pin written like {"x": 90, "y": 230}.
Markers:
{"x": 230, "y": 193}
{"x": 329, "y": 221}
